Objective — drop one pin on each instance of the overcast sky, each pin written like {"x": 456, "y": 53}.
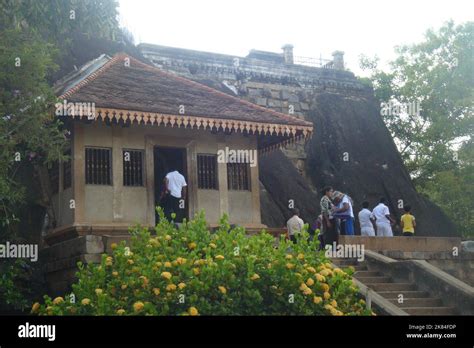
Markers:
{"x": 315, "y": 28}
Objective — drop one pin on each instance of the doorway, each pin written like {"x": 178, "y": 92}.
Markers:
{"x": 165, "y": 159}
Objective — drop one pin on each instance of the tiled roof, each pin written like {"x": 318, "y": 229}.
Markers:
{"x": 126, "y": 88}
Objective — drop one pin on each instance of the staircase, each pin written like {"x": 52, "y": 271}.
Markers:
{"x": 415, "y": 301}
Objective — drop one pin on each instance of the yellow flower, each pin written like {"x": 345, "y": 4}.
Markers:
{"x": 181, "y": 285}
{"x": 310, "y": 282}
{"x": 333, "y": 303}
{"x": 255, "y": 276}
{"x": 98, "y": 292}
{"x": 166, "y": 275}
{"x": 193, "y": 311}
{"x": 130, "y": 261}
{"x": 181, "y": 260}
{"x": 362, "y": 301}
{"x": 168, "y": 237}
{"x": 156, "y": 291}
{"x": 212, "y": 245}
{"x": 219, "y": 257}
{"x": 311, "y": 269}
{"x": 124, "y": 286}
{"x": 317, "y": 299}
{"x": 167, "y": 264}
{"x": 300, "y": 256}
{"x": 223, "y": 290}
{"x": 154, "y": 242}
{"x": 307, "y": 291}
{"x": 121, "y": 311}
{"x": 58, "y": 300}
{"x": 49, "y": 310}
{"x": 145, "y": 280}
{"x": 196, "y": 271}
{"x": 192, "y": 245}
{"x": 174, "y": 263}
{"x": 325, "y": 287}
{"x": 326, "y": 295}
{"x": 85, "y": 302}
{"x": 115, "y": 273}
{"x": 289, "y": 257}
{"x": 170, "y": 287}
{"x": 158, "y": 264}
{"x": 113, "y": 246}
{"x": 35, "y": 308}
{"x": 328, "y": 307}
{"x": 324, "y": 272}
{"x": 320, "y": 278}
{"x": 138, "y": 306}
{"x": 351, "y": 268}
{"x": 290, "y": 266}
{"x": 109, "y": 261}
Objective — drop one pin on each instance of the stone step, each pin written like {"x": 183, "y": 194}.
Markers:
{"x": 366, "y": 273}
{"x": 374, "y": 280}
{"x": 392, "y": 286}
{"x": 406, "y": 294}
{"x": 345, "y": 262}
{"x": 429, "y": 310}
{"x": 418, "y": 302}
{"x": 360, "y": 268}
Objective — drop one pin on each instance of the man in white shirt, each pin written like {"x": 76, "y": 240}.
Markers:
{"x": 366, "y": 221}
{"x": 294, "y": 225}
{"x": 176, "y": 190}
{"x": 383, "y": 219}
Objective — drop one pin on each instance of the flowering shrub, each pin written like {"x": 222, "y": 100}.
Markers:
{"x": 190, "y": 271}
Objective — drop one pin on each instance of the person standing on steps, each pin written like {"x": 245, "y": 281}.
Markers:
{"x": 383, "y": 219}
{"x": 328, "y": 222}
{"x": 367, "y": 221}
{"x": 408, "y": 222}
{"x": 294, "y": 225}
{"x": 343, "y": 211}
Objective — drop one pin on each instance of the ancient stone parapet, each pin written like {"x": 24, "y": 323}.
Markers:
{"x": 338, "y": 60}
{"x": 288, "y": 53}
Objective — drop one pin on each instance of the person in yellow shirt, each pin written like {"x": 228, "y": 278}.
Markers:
{"x": 408, "y": 222}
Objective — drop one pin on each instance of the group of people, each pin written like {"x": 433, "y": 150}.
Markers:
{"x": 337, "y": 218}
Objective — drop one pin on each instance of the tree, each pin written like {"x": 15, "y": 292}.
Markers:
{"x": 429, "y": 95}
{"x": 437, "y": 74}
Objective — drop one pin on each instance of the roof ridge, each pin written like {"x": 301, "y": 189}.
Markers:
{"x": 91, "y": 77}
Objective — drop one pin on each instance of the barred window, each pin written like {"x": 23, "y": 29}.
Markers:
{"x": 133, "y": 167}
{"x": 207, "y": 172}
{"x": 238, "y": 177}
{"x": 53, "y": 171}
{"x": 67, "y": 176}
{"x": 98, "y": 166}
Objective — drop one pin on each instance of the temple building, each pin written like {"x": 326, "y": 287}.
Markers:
{"x": 130, "y": 122}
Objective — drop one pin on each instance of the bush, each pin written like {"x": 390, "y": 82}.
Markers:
{"x": 190, "y": 271}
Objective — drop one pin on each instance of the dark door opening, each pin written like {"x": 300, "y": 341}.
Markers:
{"x": 166, "y": 158}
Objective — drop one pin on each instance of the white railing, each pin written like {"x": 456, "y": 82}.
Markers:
{"x": 314, "y": 62}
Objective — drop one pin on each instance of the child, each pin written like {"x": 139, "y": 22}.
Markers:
{"x": 408, "y": 222}
{"x": 367, "y": 221}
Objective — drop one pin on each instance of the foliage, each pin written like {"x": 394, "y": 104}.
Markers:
{"x": 436, "y": 73}
{"x": 189, "y": 271}
{"x": 15, "y": 290}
